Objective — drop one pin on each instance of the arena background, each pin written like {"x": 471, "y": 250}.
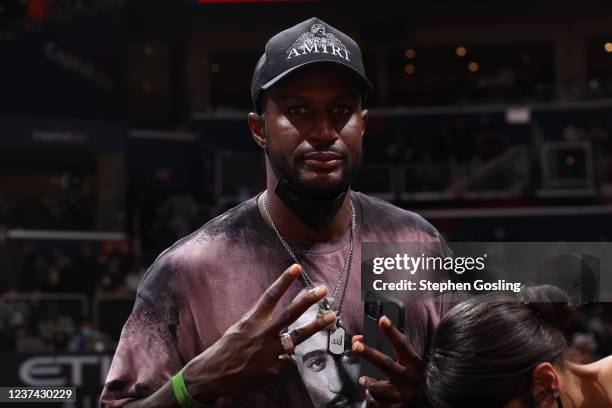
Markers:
{"x": 123, "y": 128}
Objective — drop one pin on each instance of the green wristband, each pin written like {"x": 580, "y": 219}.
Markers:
{"x": 182, "y": 396}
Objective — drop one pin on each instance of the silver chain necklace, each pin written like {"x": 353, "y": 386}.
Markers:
{"x": 335, "y": 335}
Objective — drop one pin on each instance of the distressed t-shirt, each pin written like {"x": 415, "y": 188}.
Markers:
{"x": 207, "y": 281}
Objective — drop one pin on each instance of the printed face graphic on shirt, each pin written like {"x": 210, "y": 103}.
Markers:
{"x": 330, "y": 381}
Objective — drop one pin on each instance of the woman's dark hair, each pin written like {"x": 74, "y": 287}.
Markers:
{"x": 484, "y": 350}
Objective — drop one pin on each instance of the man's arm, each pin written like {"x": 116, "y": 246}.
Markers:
{"x": 247, "y": 355}
{"x": 164, "y": 397}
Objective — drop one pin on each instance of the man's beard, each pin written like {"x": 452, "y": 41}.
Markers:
{"x": 288, "y": 170}
{"x": 315, "y": 203}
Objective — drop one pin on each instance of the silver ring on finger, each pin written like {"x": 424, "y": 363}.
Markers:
{"x": 287, "y": 343}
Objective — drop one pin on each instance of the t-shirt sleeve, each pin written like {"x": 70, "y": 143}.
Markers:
{"x": 149, "y": 353}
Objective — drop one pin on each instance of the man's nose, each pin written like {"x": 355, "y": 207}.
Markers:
{"x": 322, "y": 131}
{"x": 334, "y": 383}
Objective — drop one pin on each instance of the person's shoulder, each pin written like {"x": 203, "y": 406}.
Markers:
{"x": 202, "y": 247}
{"x": 232, "y": 222}
{"x": 380, "y": 214}
{"x": 599, "y": 372}
{"x": 225, "y": 227}
{"x": 604, "y": 367}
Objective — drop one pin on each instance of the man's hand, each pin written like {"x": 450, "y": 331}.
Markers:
{"x": 250, "y": 352}
{"x": 404, "y": 386}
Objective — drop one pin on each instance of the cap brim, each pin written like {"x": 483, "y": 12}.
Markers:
{"x": 283, "y": 74}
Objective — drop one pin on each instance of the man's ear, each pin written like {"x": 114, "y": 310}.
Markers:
{"x": 257, "y": 128}
{"x": 364, "y": 117}
{"x": 545, "y": 379}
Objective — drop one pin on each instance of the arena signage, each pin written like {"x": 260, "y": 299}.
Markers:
{"x": 87, "y": 372}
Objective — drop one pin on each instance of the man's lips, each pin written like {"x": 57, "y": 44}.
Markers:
{"x": 322, "y": 160}
{"x": 322, "y": 156}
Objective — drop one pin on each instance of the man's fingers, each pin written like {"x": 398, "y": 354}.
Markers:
{"x": 271, "y": 296}
{"x": 364, "y": 380}
{"x": 403, "y": 349}
{"x": 380, "y": 360}
{"x": 317, "y": 324}
{"x": 384, "y": 390}
{"x": 383, "y": 394}
{"x": 297, "y": 308}
{"x": 371, "y": 401}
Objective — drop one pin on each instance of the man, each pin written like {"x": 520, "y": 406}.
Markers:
{"x": 203, "y": 329}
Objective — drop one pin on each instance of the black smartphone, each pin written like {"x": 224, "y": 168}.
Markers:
{"x": 375, "y": 306}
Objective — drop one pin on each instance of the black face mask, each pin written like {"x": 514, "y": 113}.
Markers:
{"x": 316, "y": 211}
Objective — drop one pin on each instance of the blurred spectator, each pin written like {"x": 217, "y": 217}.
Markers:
{"x": 113, "y": 273}
{"x": 177, "y": 216}
{"x": 399, "y": 150}
{"x": 16, "y": 313}
{"x": 53, "y": 280}
{"x": 572, "y": 132}
{"x": 57, "y": 330}
{"x": 90, "y": 339}
{"x": 31, "y": 266}
{"x": 134, "y": 276}
{"x": 26, "y": 343}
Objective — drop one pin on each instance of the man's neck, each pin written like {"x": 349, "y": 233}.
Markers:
{"x": 292, "y": 227}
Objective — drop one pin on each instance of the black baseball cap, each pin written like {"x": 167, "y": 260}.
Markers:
{"x": 311, "y": 41}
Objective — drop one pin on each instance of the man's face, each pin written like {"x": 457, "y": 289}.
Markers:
{"x": 314, "y": 127}
{"x": 331, "y": 382}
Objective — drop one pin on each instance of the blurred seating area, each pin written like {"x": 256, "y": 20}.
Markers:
{"x": 75, "y": 297}
{"x": 524, "y": 153}
{"x": 434, "y": 158}
{"x": 52, "y": 292}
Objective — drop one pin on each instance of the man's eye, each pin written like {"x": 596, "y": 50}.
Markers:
{"x": 317, "y": 364}
{"x": 342, "y": 109}
{"x": 297, "y": 110}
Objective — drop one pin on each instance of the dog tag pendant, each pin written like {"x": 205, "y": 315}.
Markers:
{"x": 335, "y": 339}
